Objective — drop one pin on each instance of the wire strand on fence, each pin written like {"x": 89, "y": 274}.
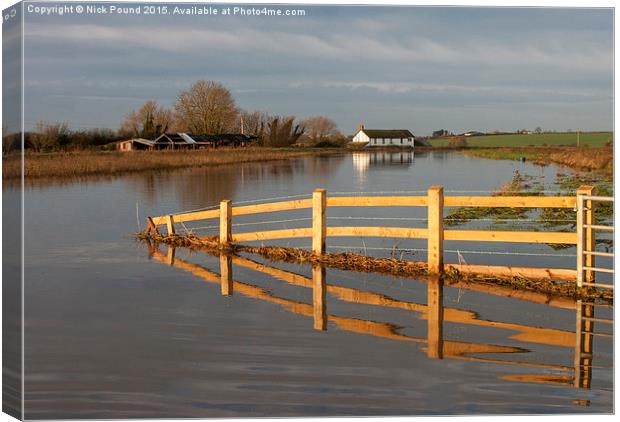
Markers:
{"x": 520, "y": 220}
{"x": 387, "y": 192}
{"x": 549, "y": 192}
{"x": 249, "y": 201}
{"x": 254, "y": 223}
{"x": 376, "y": 248}
{"x": 520, "y": 193}
{"x": 307, "y": 195}
{"x": 511, "y": 253}
{"x": 454, "y": 251}
{"x": 215, "y": 226}
{"x": 379, "y": 218}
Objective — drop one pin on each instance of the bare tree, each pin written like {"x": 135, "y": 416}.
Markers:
{"x": 49, "y": 136}
{"x": 252, "y": 122}
{"x": 207, "y": 107}
{"x": 149, "y": 121}
{"x": 320, "y": 128}
{"x": 10, "y": 141}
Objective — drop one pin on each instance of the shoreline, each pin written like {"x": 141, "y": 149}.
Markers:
{"x": 82, "y": 164}
{"x": 595, "y": 159}
{"x": 65, "y": 166}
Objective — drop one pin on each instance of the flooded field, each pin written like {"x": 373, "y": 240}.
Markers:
{"x": 118, "y": 328}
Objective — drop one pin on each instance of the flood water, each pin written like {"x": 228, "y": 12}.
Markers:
{"x": 120, "y": 329}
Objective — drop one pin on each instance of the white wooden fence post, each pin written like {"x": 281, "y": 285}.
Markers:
{"x": 580, "y": 239}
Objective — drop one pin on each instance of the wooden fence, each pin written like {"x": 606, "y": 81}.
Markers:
{"x": 435, "y": 233}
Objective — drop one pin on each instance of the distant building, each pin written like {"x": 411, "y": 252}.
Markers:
{"x": 473, "y": 133}
{"x": 136, "y": 144}
{"x": 440, "y": 133}
{"x": 174, "y": 141}
{"x": 384, "y": 137}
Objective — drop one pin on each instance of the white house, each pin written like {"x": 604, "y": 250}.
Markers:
{"x": 384, "y": 137}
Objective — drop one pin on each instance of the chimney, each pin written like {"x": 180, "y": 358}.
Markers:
{"x": 361, "y": 126}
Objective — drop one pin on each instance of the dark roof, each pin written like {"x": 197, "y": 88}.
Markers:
{"x": 138, "y": 141}
{"x": 188, "y": 138}
{"x": 224, "y": 137}
{"x": 171, "y": 137}
{"x": 388, "y": 133}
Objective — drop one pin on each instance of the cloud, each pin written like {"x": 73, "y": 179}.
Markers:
{"x": 343, "y": 46}
{"x": 345, "y": 62}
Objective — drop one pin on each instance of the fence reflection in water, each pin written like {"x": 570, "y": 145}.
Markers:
{"x": 436, "y": 346}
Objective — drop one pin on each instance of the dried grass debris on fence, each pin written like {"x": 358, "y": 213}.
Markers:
{"x": 391, "y": 266}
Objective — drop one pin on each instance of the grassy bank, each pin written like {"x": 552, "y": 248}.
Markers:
{"x": 583, "y": 158}
{"x": 594, "y": 139}
{"x": 79, "y": 164}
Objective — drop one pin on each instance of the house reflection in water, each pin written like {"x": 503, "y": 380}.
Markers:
{"x": 363, "y": 161}
{"x": 435, "y": 345}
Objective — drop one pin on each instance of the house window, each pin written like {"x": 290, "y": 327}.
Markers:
{"x": 383, "y": 140}
{"x": 401, "y": 141}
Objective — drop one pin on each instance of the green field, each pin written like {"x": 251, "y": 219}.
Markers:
{"x": 596, "y": 139}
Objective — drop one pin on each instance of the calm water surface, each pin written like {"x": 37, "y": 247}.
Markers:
{"x": 115, "y": 329}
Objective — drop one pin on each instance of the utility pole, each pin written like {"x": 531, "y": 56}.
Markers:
{"x": 242, "y": 131}
{"x": 577, "y": 137}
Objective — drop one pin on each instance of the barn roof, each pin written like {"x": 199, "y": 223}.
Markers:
{"x": 388, "y": 133}
{"x": 190, "y": 139}
{"x": 224, "y": 137}
{"x": 140, "y": 141}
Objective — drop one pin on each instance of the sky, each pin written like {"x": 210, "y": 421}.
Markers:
{"x": 417, "y": 68}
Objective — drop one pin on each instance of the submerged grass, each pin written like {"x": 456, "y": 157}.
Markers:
{"x": 391, "y": 266}
{"x": 88, "y": 163}
{"x": 516, "y": 187}
{"x": 556, "y": 219}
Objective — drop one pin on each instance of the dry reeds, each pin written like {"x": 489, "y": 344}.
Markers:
{"x": 579, "y": 158}
{"x": 88, "y": 163}
{"x": 599, "y": 159}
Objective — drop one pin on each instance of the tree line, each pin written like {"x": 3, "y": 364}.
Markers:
{"x": 48, "y": 137}
{"x": 207, "y": 107}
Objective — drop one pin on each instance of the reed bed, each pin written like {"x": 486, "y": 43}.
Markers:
{"x": 600, "y": 159}
{"x": 578, "y": 158}
{"x": 390, "y": 266}
{"x": 79, "y": 164}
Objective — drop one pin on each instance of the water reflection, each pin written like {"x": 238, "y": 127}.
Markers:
{"x": 434, "y": 348}
{"x": 319, "y": 304}
{"x": 435, "y": 312}
{"x": 363, "y": 161}
{"x": 226, "y": 280}
{"x": 200, "y": 186}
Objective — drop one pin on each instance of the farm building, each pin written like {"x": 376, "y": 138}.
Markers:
{"x": 440, "y": 133}
{"x": 384, "y": 137}
{"x": 136, "y": 144}
{"x": 173, "y": 141}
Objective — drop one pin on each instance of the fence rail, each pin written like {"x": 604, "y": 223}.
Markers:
{"x": 435, "y": 233}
